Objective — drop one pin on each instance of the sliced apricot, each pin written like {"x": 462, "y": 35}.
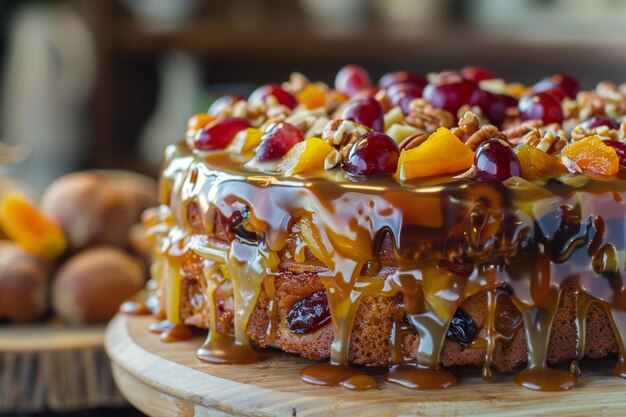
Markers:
{"x": 442, "y": 153}
{"x": 23, "y": 223}
{"x": 538, "y": 165}
{"x": 591, "y": 156}
{"x": 306, "y": 156}
{"x": 198, "y": 121}
{"x": 245, "y": 141}
{"x": 312, "y": 238}
{"x": 312, "y": 97}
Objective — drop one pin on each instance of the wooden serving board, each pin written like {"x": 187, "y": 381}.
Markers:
{"x": 165, "y": 379}
{"x": 52, "y": 367}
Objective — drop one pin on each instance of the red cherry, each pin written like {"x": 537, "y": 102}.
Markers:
{"x": 222, "y": 103}
{"x": 598, "y": 121}
{"x": 285, "y": 98}
{"x": 509, "y": 101}
{"x": 373, "y": 153}
{"x": 620, "y": 149}
{"x": 493, "y": 107}
{"x": 477, "y": 73}
{"x": 277, "y": 141}
{"x": 496, "y": 160}
{"x": 219, "y": 135}
{"x": 452, "y": 93}
{"x": 401, "y": 94}
{"x": 540, "y": 106}
{"x": 365, "y": 111}
{"x": 366, "y": 92}
{"x": 566, "y": 83}
{"x": 351, "y": 79}
{"x": 402, "y": 77}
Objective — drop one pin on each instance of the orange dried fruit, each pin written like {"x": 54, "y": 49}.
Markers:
{"x": 198, "y": 121}
{"x": 313, "y": 239}
{"x": 591, "y": 156}
{"x": 312, "y": 97}
{"x": 245, "y": 141}
{"x": 538, "y": 165}
{"x": 306, "y": 156}
{"x": 442, "y": 153}
{"x": 23, "y": 223}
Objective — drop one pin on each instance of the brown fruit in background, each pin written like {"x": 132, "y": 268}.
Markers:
{"x": 98, "y": 207}
{"x": 23, "y": 284}
{"x": 91, "y": 285}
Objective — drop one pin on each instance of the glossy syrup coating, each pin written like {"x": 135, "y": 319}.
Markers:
{"x": 449, "y": 238}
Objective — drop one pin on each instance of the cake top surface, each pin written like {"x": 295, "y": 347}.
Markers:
{"x": 415, "y": 131}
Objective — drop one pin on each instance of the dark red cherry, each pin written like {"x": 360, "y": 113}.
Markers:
{"x": 351, "y": 79}
{"x": 219, "y": 135}
{"x": 452, "y": 93}
{"x": 620, "y": 149}
{"x": 477, "y": 73}
{"x": 509, "y": 101}
{"x": 540, "y": 106}
{"x": 277, "y": 141}
{"x": 566, "y": 83}
{"x": 283, "y": 97}
{"x": 222, "y": 103}
{"x": 493, "y": 107}
{"x": 411, "y": 88}
{"x": 366, "y": 111}
{"x": 402, "y": 77}
{"x": 309, "y": 314}
{"x": 373, "y": 153}
{"x": 496, "y": 160}
{"x": 598, "y": 121}
{"x": 401, "y": 94}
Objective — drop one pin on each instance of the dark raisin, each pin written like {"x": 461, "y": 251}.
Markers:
{"x": 309, "y": 314}
{"x": 462, "y": 328}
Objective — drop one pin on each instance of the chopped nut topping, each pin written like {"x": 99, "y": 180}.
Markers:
{"x": 469, "y": 124}
{"x": 486, "y": 132}
{"x": 340, "y": 132}
{"x": 413, "y": 141}
{"x": 332, "y": 160}
{"x": 470, "y": 174}
{"x": 516, "y": 134}
{"x": 424, "y": 115}
{"x": 297, "y": 82}
{"x": 547, "y": 143}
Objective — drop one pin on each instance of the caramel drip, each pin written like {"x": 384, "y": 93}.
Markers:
{"x": 272, "y": 308}
{"x": 583, "y": 301}
{"x": 532, "y": 242}
{"x": 332, "y": 375}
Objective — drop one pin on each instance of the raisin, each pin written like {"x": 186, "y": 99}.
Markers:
{"x": 462, "y": 328}
{"x": 309, "y": 314}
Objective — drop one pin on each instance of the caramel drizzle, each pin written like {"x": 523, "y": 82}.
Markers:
{"x": 427, "y": 222}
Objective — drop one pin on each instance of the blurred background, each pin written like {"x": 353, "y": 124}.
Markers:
{"x": 108, "y": 83}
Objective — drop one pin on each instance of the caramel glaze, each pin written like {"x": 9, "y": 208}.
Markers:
{"x": 527, "y": 240}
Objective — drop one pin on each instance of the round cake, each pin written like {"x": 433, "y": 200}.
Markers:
{"x": 426, "y": 222}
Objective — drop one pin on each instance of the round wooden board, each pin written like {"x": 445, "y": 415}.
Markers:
{"x": 165, "y": 379}
{"x": 45, "y": 366}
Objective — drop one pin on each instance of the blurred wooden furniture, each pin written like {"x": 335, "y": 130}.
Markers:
{"x": 52, "y": 367}
{"x": 166, "y": 379}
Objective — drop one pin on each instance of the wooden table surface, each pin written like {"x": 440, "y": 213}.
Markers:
{"x": 164, "y": 379}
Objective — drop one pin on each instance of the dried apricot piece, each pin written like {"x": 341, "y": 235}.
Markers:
{"x": 306, "y": 156}
{"x": 538, "y": 165}
{"x": 23, "y": 223}
{"x": 442, "y": 153}
{"x": 591, "y": 156}
{"x": 312, "y": 97}
{"x": 198, "y": 121}
{"x": 245, "y": 141}
{"x": 312, "y": 238}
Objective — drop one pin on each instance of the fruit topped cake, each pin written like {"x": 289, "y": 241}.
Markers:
{"x": 417, "y": 224}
